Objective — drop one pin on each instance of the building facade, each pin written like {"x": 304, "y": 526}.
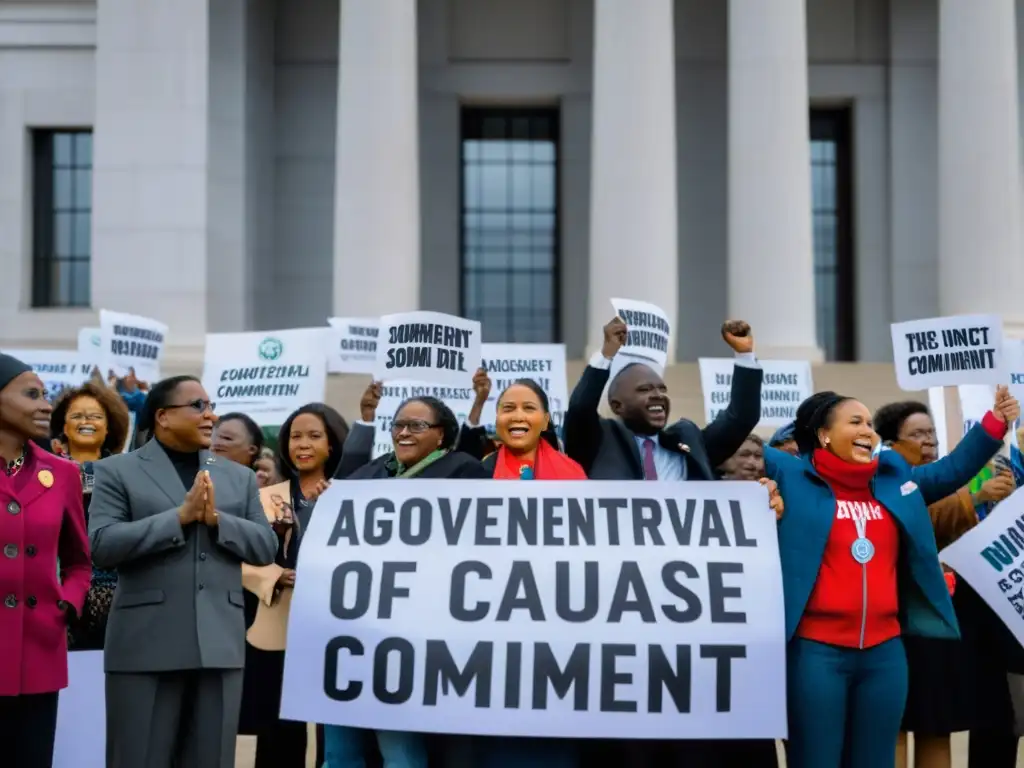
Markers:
{"x": 821, "y": 168}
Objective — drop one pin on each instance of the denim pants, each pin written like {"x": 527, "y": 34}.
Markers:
{"x": 343, "y": 748}
{"x": 838, "y": 694}
{"x": 508, "y": 752}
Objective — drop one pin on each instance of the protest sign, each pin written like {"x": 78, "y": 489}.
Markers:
{"x": 561, "y": 609}
{"x": 948, "y": 351}
{"x": 544, "y": 363}
{"x": 59, "y": 369}
{"x": 786, "y": 384}
{"x": 81, "y": 736}
{"x": 1013, "y": 357}
{"x": 990, "y": 557}
{"x": 89, "y": 346}
{"x": 647, "y": 331}
{"x": 131, "y": 342}
{"x": 394, "y": 393}
{"x": 265, "y": 375}
{"x": 353, "y": 344}
{"x": 427, "y": 346}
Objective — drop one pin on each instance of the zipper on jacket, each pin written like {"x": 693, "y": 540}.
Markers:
{"x": 864, "y": 603}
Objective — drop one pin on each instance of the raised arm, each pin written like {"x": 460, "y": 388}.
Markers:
{"x": 358, "y": 449}
{"x": 581, "y": 429}
{"x": 116, "y": 538}
{"x": 724, "y": 436}
{"x": 944, "y": 477}
{"x": 249, "y": 538}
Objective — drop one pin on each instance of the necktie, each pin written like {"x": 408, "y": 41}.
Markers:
{"x": 650, "y": 470}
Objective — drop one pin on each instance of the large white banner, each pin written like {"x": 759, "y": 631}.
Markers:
{"x": 131, "y": 342}
{"x": 948, "y": 351}
{"x": 90, "y": 347}
{"x": 427, "y": 346}
{"x": 59, "y": 369}
{"x": 990, "y": 557}
{"x": 566, "y": 609}
{"x": 786, "y": 384}
{"x": 265, "y": 374}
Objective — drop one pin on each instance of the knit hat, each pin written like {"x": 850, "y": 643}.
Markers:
{"x": 10, "y": 369}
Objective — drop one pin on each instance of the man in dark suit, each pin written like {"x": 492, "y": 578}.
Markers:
{"x": 637, "y": 445}
{"x": 177, "y": 523}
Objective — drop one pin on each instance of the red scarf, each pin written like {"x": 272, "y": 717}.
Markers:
{"x": 549, "y": 465}
{"x": 846, "y": 474}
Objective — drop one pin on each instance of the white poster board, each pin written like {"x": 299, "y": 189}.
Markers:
{"x": 59, "y": 369}
{"x": 352, "y": 344}
{"x": 948, "y": 351}
{"x": 90, "y": 346}
{"x": 785, "y": 385}
{"x": 505, "y": 363}
{"x": 648, "y": 333}
{"x": 428, "y": 346}
{"x": 131, "y": 341}
{"x": 1013, "y": 358}
{"x": 81, "y": 740}
{"x": 564, "y": 609}
{"x": 990, "y": 557}
{"x": 265, "y": 375}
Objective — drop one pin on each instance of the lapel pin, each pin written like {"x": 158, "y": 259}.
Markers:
{"x": 45, "y": 478}
{"x": 209, "y": 459}
{"x": 684, "y": 448}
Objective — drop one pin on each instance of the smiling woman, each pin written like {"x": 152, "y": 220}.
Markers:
{"x": 91, "y": 422}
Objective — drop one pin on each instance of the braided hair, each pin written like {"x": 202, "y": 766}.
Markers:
{"x": 814, "y": 413}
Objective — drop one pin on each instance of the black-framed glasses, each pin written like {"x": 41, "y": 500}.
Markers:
{"x": 199, "y": 406}
{"x": 415, "y": 426}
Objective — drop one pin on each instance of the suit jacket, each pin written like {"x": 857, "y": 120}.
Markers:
{"x": 178, "y": 603}
{"x": 41, "y": 520}
{"x": 906, "y": 491}
{"x": 607, "y": 451}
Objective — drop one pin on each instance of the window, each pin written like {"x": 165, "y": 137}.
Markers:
{"x": 510, "y": 227}
{"x": 62, "y": 218}
{"x": 831, "y": 194}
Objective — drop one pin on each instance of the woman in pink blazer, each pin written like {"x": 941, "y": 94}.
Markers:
{"x": 41, "y": 522}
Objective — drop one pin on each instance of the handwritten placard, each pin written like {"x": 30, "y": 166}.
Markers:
{"x": 948, "y": 351}
{"x": 428, "y": 346}
{"x": 647, "y": 331}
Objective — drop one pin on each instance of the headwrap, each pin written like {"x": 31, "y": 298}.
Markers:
{"x": 10, "y": 369}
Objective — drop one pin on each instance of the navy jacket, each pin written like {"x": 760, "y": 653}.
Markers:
{"x": 905, "y": 491}
{"x": 607, "y": 451}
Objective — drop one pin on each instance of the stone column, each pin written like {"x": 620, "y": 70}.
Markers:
{"x": 981, "y": 265}
{"x": 376, "y": 192}
{"x": 771, "y": 257}
{"x": 633, "y": 191}
{"x": 150, "y": 164}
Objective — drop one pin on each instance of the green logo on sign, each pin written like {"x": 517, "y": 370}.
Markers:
{"x": 271, "y": 348}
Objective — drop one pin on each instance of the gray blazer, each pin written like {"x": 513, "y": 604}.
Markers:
{"x": 178, "y": 603}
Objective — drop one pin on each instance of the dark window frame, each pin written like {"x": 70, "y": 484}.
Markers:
{"x": 835, "y": 124}
{"x": 46, "y": 207}
{"x": 471, "y": 127}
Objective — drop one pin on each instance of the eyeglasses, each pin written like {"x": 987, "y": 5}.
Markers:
{"x": 87, "y": 416}
{"x": 415, "y": 426}
{"x": 199, "y": 406}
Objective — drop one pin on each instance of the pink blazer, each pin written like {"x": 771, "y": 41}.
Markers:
{"x": 41, "y": 519}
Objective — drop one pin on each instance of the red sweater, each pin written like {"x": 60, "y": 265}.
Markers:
{"x": 854, "y": 605}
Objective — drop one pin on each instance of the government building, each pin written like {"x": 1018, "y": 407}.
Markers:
{"x": 820, "y": 168}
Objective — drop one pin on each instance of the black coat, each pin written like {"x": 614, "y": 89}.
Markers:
{"x": 607, "y": 451}
{"x": 455, "y": 465}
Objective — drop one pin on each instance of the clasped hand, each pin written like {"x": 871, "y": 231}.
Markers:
{"x": 199, "y": 505}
